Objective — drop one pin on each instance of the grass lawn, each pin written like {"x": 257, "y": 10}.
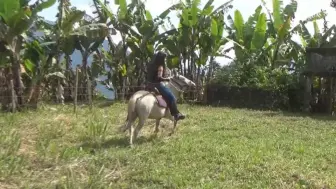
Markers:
{"x": 212, "y": 148}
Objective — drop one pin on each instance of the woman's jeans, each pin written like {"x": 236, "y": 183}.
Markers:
{"x": 169, "y": 98}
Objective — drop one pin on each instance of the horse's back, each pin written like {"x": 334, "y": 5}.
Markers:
{"x": 145, "y": 102}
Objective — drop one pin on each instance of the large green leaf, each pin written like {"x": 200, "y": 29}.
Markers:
{"x": 239, "y": 26}
{"x": 148, "y": 15}
{"x": 322, "y": 14}
{"x": 122, "y": 8}
{"x": 123, "y": 70}
{"x": 194, "y": 12}
{"x": 249, "y": 27}
{"x": 92, "y": 31}
{"x": 260, "y": 32}
{"x": 277, "y": 14}
{"x": 24, "y": 17}
{"x": 165, "y": 13}
{"x": 304, "y": 33}
{"x": 44, "y": 5}
{"x": 251, "y": 22}
{"x": 290, "y": 9}
{"x": 208, "y": 4}
{"x": 8, "y": 8}
{"x": 317, "y": 31}
{"x": 224, "y": 6}
{"x": 28, "y": 65}
{"x": 327, "y": 34}
{"x": 214, "y": 27}
{"x": 284, "y": 29}
{"x": 220, "y": 24}
{"x": 207, "y": 11}
{"x": 106, "y": 10}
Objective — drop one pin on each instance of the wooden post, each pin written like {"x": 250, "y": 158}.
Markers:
{"x": 76, "y": 90}
{"x": 330, "y": 97}
{"x": 12, "y": 95}
{"x": 89, "y": 90}
{"x": 307, "y": 94}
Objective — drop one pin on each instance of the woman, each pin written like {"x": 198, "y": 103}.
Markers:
{"x": 155, "y": 77}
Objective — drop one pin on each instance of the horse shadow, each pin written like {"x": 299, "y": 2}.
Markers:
{"x": 116, "y": 142}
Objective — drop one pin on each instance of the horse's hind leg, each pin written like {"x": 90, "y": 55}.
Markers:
{"x": 157, "y": 124}
{"x": 138, "y": 128}
{"x": 129, "y": 123}
{"x": 131, "y": 131}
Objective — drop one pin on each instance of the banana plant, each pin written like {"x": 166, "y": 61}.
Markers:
{"x": 88, "y": 38}
{"x": 41, "y": 68}
{"x": 250, "y": 35}
{"x": 139, "y": 33}
{"x": 16, "y": 17}
{"x": 197, "y": 29}
{"x": 280, "y": 32}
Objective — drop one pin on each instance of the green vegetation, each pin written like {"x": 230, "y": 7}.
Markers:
{"x": 213, "y": 148}
{"x": 265, "y": 54}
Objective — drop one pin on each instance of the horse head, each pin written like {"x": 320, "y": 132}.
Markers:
{"x": 180, "y": 82}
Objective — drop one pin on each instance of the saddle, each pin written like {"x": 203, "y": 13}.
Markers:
{"x": 160, "y": 100}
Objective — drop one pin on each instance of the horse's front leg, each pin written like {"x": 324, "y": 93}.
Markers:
{"x": 157, "y": 124}
{"x": 174, "y": 128}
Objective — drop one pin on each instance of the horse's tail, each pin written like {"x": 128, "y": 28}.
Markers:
{"x": 130, "y": 112}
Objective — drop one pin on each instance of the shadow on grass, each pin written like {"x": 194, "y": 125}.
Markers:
{"x": 116, "y": 143}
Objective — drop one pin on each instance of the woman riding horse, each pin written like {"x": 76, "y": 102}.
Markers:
{"x": 155, "y": 76}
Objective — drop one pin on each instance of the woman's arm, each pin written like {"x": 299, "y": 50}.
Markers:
{"x": 160, "y": 78}
{"x": 160, "y": 75}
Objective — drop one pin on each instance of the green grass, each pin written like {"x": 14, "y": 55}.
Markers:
{"x": 212, "y": 148}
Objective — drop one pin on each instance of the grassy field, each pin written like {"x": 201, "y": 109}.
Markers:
{"x": 212, "y": 148}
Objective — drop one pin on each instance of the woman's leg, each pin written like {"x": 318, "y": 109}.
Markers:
{"x": 169, "y": 98}
{"x": 171, "y": 101}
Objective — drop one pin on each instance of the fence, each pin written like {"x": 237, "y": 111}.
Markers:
{"x": 254, "y": 98}
{"x": 216, "y": 95}
{"x": 53, "y": 96}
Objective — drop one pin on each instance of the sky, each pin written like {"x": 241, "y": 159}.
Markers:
{"x": 306, "y": 8}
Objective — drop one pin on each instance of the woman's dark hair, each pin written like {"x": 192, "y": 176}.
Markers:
{"x": 159, "y": 59}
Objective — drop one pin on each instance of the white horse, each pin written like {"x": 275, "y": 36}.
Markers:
{"x": 147, "y": 105}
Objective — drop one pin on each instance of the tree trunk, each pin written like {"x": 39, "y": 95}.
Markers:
{"x": 85, "y": 78}
{"x": 184, "y": 65}
{"x": 17, "y": 82}
{"x": 208, "y": 78}
{"x": 70, "y": 77}
{"x": 124, "y": 58}
{"x": 34, "y": 95}
{"x": 209, "y": 75}
{"x": 7, "y": 92}
{"x": 198, "y": 84}
{"x": 59, "y": 91}
{"x": 76, "y": 90}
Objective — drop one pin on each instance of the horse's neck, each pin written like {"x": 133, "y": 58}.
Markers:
{"x": 173, "y": 90}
